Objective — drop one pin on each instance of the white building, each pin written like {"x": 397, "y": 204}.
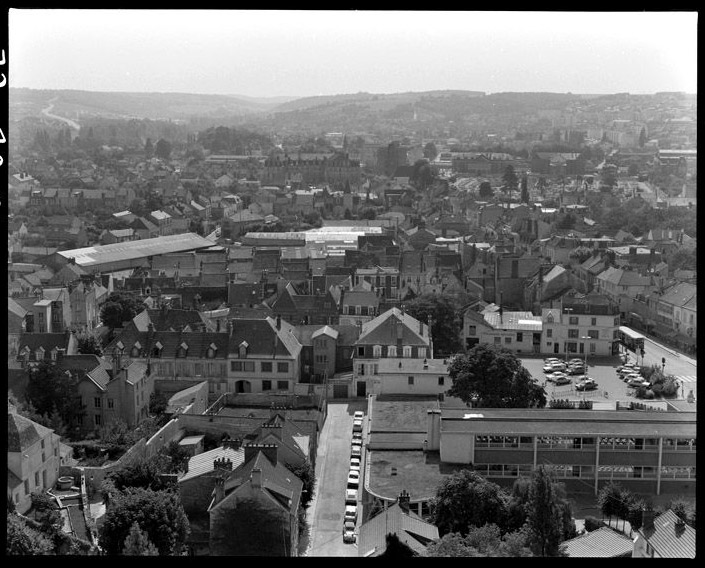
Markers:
{"x": 409, "y": 376}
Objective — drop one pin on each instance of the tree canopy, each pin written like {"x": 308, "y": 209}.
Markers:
{"x": 446, "y": 322}
{"x": 466, "y": 499}
{"x": 54, "y": 393}
{"x": 159, "y": 514}
{"x": 486, "y": 189}
{"x": 544, "y": 515}
{"x": 510, "y": 179}
{"x": 486, "y": 541}
{"x": 493, "y": 377}
{"x": 23, "y": 540}
{"x": 119, "y": 308}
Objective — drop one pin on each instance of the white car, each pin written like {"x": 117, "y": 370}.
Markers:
{"x": 357, "y": 425}
{"x": 359, "y": 415}
{"x": 553, "y": 377}
{"x": 357, "y": 441}
{"x": 351, "y": 496}
{"x": 356, "y": 451}
{"x": 553, "y": 367}
{"x": 351, "y": 513}
{"x": 551, "y": 360}
{"x": 355, "y": 463}
{"x": 353, "y": 478}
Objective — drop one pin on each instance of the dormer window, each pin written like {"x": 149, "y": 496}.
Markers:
{"x": 392, "y": 351}
{"x": 39, "y": 354}
{"x": 377, "y": 351}
{"x": 210, "y": 353}
{"x": 183, "y": 350}
{"x": 242, "y": 350}
{"x": 407, "y": 351}
{"x": 157, "y": 350}
{"x": 136, "y": 349}
{"x": 549, "y": 318}
{"x": 120, "y": 345}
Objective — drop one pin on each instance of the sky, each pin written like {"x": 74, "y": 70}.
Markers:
{"x": 297, "y": 53}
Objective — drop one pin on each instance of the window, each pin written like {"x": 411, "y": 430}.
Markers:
{"x": 616, "y": 321}
{"x": 44, "y": 457}
{"x": 377, "y": 351}
{"x": 236, "y": 366}
{"x": 507, "y": 339}
{"x": 266, "y": 385}
{"x": 361, "y": 351}
{"x": 497, "y": 340}
{"x": 36, "y": 479}
{"x": 266, "y": 367}
{"x": 520, "y": 336}
{"x": 573, "y": 333}
{"x": 549, "y": 333}
{"x": 26, "y": 486}
{"x": 43, "y": 444}
{"x": 96, "y": 402}
{"x": 549, "y": 318}
{"x": 282, "y": 385}
{"x": 392, "y": 351}
{"x": 282, "y": 367}
{"x": 410, "y": 379}
{"x": 593, "y": 321}
{"x": 111, "y": 403}
{"x": 472, "y": 330}
{"x": 593, "y": 333}
{"x": 441, "y": 381}
{"x": 593, "y": 348}
{"x": 407, "y": 351}
{"x": 248, "y": 366}
{"x": 573, "y": 320}
{"x": 97, "y": 419}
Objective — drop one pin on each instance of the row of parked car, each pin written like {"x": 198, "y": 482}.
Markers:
{"x": 560, "y": 373}
{"x": 354, "y": 475}
{"x": 630, "y": 374}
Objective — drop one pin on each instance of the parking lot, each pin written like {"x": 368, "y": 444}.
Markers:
{"x": 602, "y": 369}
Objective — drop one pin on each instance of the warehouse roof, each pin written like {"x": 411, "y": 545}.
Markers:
{"x": 90, "y": 256}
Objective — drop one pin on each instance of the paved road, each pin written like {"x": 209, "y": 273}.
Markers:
{"x": 47, "y": 112}
{"x": 325, "y": 513}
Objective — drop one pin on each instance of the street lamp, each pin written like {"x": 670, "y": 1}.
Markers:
{"x": 565, "y": 345}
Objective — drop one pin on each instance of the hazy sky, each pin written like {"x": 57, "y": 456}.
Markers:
{"x": 303, "y": 53}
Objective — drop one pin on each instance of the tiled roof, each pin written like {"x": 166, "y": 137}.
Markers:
{"x": 667, "y": 540}
{"x": 679, "y": 294}
{"x": 197, "y": 342}
{"x": 409, "y": 527}
{"x": 380, "y": 330}
{"x": 23, "y": 432}
{"x": 15, "y": 309}
{"x": 170, "y": 319}
{"x": 203, "y": 462}
{"x": 622, "y": 277}
{"x": 360, "y": 298}
{"x": 600, "y": 543}
{"x": 48, "y": 341}
{"x": 347, "y": 334}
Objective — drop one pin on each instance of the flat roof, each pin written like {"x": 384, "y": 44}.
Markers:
{"x": 90, "y": 256}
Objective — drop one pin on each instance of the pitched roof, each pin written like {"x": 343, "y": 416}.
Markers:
{"x": 679, "y": 294}
{"x": 667, "y": 539}
{"x": 203, "y": 463}
{"x": 411, "y": 529}
{"x": 519, "y": 321}
{"x": 622, "y": 277}
{"x": 600, "y": 543}
{"x": 15, "y": 309}
{"x": 381, "y": 330}
{"x": 23, "y": 432}
{"x": 169, "y": 319}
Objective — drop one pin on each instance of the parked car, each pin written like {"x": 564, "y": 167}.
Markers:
{"x": 351, "y": 496}
{"x": 355, "y": 463}
{"x": 576, "y": 369}
{"x": 351, "y": 513}
{"x": 638, "y": 382}
{"x": 353, "y": 478}
{"x": 553, "y": 377}
{"x": 586, "y": 385}
{"x": 553, "y": 367}
{"x": 356, "y": 451}
{"x": 357, "y": 442}
{"x": 562, "y": 381}
{"x": 359, "y": 415}
{"x": 357, "y": 435}
{"x": 348, "y": 532}
{"x": 576, "y": 360}
{"x": 357, "y": 425}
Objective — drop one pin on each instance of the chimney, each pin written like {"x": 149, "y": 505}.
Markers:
{"x": 282, "y": 411}
{"x": 256, "y": 478}
{"x": 269, "y": 451}
{"x": 232, "y": 443}
{"x": 275, "y": 429}
{"x": 222, "y": 464}
{"x": 647, "y": 519}
{"x": 404, "y": 500}
{"x": 117, "y": 362}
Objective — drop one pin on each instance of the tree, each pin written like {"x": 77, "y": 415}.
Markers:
{"x": 421, "y": 175}
{"x": 486, "y": 541}
{"x": 543, "y": 516}
{"x": 581, "y": 254}
{"x": 466, "y": 499}
{"x": 486, "y": 190}
{"x": 23, "y": 540}
{"x": 445, "y": 319}
{"x": 46, "y": 512}
{"x": 162, "y": 149}
{"x": 307, "y": 474}
{"x": 148, "y": 148}
{"x": 450, "y": 545}
{"x": 159, "y": 515}
{"x": 608, "y": 499}
{"x": 119, "y": 308}
{"x": 494, "y": 378}
{"x": 54, "y": 393}
{"x": 430, "y": 151}
{"x": 89, "y": 345}
{"x": 137, "y": 543}
{"x": 566, "y": 222}
{"x": 510, "y": 179}
{"x": 524, "y": 189}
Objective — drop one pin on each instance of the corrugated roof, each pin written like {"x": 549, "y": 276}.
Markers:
{"x": 600, "y": 543}
{"x": 668, "y": 540}
{"x": 130, "y": 250}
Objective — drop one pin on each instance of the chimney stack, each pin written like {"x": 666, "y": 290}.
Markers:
{"x": 232, "y": 443}
{"x": 404, "y": 500}
{"x": 269, "y": 451}
{"x": 222, "y": 464}
{"x": 256, "y": 478}
{"x": 647, "y": 519}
